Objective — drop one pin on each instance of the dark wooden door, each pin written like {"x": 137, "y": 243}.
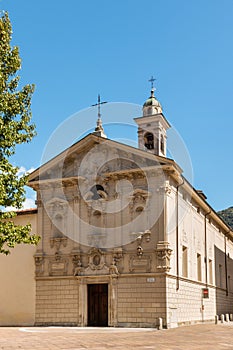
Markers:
{"x": 98, "y": 305}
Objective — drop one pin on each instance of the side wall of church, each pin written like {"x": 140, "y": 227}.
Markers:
{"x": 186, "y": 305}
{"x": 201, "y": 258}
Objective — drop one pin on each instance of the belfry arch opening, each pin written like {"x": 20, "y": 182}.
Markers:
{"x": 149, "y": 140}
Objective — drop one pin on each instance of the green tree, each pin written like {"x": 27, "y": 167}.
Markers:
{"x": 15, "y": 128}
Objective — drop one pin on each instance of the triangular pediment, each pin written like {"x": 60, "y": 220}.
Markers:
{"x": 92, "y": 155}
{"x": 45, "y": 170}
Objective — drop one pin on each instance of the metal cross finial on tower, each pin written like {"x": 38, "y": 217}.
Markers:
{"x": 99, "y": 104}
{"x": 99, "y": 130}
{"x": 151, "y": 80}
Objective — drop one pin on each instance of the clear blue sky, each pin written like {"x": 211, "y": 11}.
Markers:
{"x": 72, "y": 50}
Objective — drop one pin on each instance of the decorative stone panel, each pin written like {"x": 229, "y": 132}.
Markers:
{"x": 58, "y": 265}
{"x": 139, "y": 263}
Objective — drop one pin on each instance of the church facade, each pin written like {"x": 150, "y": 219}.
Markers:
{"x": 125, "y": 239}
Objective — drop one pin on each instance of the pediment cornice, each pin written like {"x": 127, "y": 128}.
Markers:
{"x": 82, "y": 147}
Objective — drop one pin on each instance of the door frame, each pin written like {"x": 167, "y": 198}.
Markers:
{"x": 83, "y": 281}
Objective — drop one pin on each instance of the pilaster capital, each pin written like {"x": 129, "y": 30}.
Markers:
{"x": 165, "y": 189}
{"x": 163, "y": 252}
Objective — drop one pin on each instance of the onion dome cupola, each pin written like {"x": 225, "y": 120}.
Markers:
{"x": 152, "y": 126}
{"x": 151, "y": 106}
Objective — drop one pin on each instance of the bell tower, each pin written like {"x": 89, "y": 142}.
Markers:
{"x": 152, "y": 126}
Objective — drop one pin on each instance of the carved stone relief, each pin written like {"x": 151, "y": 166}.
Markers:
{"x": 56, "y": 243}
{"x": 113, "y": 270}
{"x": 138, "y": 199}
{"x": 57, "y": 206}
{"x": 96, "y": 262}
{"x": 141, "y": 237}
{"x": 166, "y": 188}
{"x": 58, "y": 265}
{"x": 163, "y": 253}
{"x": 117, "y": 254}
{"x": 39, "y": 263}
{"x": 77, "y": 264}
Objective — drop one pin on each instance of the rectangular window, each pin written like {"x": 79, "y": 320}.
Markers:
{"x": 184, "y": 261}
{"x": 210, "y": 271}
{"x": 198, "y": 267}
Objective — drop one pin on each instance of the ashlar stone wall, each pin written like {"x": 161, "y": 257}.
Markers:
{"x": 57, "y": 301}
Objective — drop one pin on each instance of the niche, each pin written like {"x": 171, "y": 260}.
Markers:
{"x": 58, "y": 226}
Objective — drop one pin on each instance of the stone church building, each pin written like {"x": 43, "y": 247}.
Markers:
{"x": 125, "y": 239}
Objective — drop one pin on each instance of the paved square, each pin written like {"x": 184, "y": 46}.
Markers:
{"x": 198, "y": 337}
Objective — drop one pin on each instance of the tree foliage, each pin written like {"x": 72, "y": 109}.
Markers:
{"x": 15, "y": 128}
